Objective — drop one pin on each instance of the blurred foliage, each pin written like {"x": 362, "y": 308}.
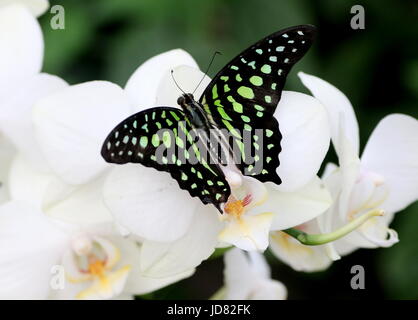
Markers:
{"x": 398, "y": 266}
{"x": 377, "y": 68}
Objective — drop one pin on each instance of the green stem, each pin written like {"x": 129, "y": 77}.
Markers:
{"x": 318, "y": 239}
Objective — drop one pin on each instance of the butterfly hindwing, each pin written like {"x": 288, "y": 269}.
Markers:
{"x": 244, "y": 95}
{"x": 138, "y": 138}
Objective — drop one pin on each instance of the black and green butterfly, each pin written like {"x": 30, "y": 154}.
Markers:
{"x": 240, "y": 99}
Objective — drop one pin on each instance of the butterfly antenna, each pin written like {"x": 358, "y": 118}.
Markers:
{"x": 172, "y": 76}
{"x": 207, "y": 70}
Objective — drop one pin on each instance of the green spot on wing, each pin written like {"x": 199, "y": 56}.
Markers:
{"x": 155, "y": 140}
{"x": 143, "y": 141}
{"x": 223, "y": 114}
{"x": 167, "y": 139}
{"x": 256, "y": 80}
{"x": 174, "y": 115}
{"x": 215, "y": 92}
{"x": 246, "y": 92}
{"x": 231, "y": 129}
{"x": 245, "y": 118}
{"x": 266, "y": 69}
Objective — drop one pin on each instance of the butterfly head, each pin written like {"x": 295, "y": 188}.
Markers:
{"x": 185, "y": 100}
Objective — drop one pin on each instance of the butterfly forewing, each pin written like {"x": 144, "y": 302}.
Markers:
{"x": 146, "y": 137}
{"x": 243, "y": 96}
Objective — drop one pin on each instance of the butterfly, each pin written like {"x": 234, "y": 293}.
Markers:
{"x": 238, "y": 105}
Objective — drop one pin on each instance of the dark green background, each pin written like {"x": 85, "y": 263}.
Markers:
{"x": 377, "y": 68}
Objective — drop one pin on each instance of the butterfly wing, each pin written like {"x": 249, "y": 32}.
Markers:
{"x": 243, "y": 96}
{"x": 161, "y": 138}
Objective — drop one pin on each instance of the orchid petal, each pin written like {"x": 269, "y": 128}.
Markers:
{"x": 16, "y": 119}
{"x": 392, "y": 151}
{"x": 159, "y": 259}
{"x": 304, "y": 126}
{"x": 149, "y": 203}
{"x": 30, "y": 245}
{"x": 30, "y": 185}
{"x": 245, "y": 280}
{"x": 22, "y": 45}
{"x": 72, "y": 124}
{"x": 142, "y": 86}
{"x": 187, "y": 77}
{"x": 294, "y": 208}
{"x": 137, "y": 283}
{"x": 82, "y": 205}
{"x": 36, "y": 7}
{"x": 248, "y": 232}
{"x": 7, "y": 154}
{"x": 336, "y": 103}
{"x": 239, "y": 277}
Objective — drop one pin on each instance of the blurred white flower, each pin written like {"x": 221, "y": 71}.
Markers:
{"x": 97, "y": 262}
{"x": 247, "y": 277}
{"x": 21, "y": 82}
{"x": 385, "y": 178}
{"x": 36, "y": 7}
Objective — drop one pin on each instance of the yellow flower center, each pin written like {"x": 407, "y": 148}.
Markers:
{"x": 235, "y": 208}
{"x": 97, "y": 268}
{"x": 93, "y": 263}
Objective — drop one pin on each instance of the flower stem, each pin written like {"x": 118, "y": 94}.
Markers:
{"x": 318, "y": 239}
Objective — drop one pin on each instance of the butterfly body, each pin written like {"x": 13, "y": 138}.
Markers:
{"x": 194, "y": 112}
{"x": 238, "y": 106}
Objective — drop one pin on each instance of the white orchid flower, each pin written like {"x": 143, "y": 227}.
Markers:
{"x": 247, "y": 277}
{"x": 385, "y": 178}
{"x": 95, "y": 261}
